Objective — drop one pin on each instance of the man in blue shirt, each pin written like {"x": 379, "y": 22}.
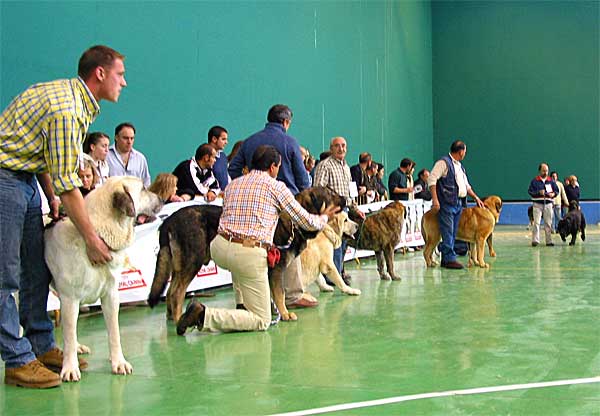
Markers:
{"x": 217, "y": 138}
{"x": 291, "y": 172}
{"x": 542, "y": 190}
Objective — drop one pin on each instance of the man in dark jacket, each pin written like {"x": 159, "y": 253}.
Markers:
{"x": 195, "y": 176}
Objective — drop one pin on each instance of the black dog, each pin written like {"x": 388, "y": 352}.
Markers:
{"x": 573, "y": 222}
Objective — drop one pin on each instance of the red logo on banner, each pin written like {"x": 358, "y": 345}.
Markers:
{"x": 209, "y": 270}
{"x": 131, "y": 279}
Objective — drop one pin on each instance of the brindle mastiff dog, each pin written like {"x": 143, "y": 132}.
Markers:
{"x": 185, "y": 238}
{"x": 476, "y": 225}
{"x": 381, "y": 233}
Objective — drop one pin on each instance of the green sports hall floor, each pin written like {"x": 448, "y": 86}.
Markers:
{"x": 532, "y": 317}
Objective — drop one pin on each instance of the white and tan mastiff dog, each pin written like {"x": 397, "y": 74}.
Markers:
{"x": 113, "y": 209}
{"x": 317, "y": 258}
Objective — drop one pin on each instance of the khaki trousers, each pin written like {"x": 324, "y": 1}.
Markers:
{"x": 545, "y": 212}
{"x": 249, "y": 272}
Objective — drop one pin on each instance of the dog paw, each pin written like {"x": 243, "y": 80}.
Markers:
{"x": 484, "y": 266}
{"x": 327, "y": 288}
{"x": 396, "y": 278}
{"x": 83, "y": 349}
{"x": 121, "y": 367}
{"x": 571, "y": 244}
{"x": 492, "y": 254}
{"x": 290, "y": 316}
{"x": 351, "y": 291}
{"x": 70, "y": 373}
{"x": 384, "y": 277}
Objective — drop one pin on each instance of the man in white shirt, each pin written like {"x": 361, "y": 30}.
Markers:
{"x": 123, "y": 159}
{"x": 449, "y": 189}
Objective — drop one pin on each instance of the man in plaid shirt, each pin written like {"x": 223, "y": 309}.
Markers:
{"x": 41, "y": 136}
{"x": 251, "y": 208}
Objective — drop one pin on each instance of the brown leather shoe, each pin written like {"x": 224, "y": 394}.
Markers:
{"x": 192, "y": 317}
{"x": 453, "y": 265}
{"x": 53, "y": 359}
{"x": 302, "y": 303}
{"x": 33, "y": 375}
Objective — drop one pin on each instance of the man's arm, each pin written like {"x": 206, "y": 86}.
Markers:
{"x": 478, "y": 201}
{"x": 53, "y": 201}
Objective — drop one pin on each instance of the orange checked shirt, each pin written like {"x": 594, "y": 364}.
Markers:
{"x": 251, "y": 207}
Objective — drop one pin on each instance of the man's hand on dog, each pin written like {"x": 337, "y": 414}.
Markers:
{"x": 330, "y": 211}
{"x": 97, "y": 251}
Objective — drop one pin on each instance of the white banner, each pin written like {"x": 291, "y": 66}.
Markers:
{"x": 136, "y": 278}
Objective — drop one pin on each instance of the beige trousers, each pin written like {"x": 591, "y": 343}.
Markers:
{"x": 248, "y": 267}
{"x": 545, "y": 212}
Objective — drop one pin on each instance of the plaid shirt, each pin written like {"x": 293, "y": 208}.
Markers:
{"x": 43, "y": 128}
{"x": 251, "y": 207}
{"x": 336, "y": 175}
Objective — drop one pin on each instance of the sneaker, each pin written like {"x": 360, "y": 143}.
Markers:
{"x": 534, "y": 244}
{"x": 32, "y": 375}
{"x": 53, "y": 359}
{"x": 550, "y": 244}
{"x": 192, "y": 317}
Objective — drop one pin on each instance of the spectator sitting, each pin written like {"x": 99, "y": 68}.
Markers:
{"x": 380, "y": 186}
{"x": 165, "y": 186}
{"x": 217, "y": 138}
{"x": 88, "y": 175}
{"x": 398, "y": 182}
{"x": 358, "y": 175}
{"x": 195, "y": 176}
{"x": 374, "y": 192}
{"x": 421, "y": 182}
{"x": 96, "y": 145}
{"x": 123, "y": 159}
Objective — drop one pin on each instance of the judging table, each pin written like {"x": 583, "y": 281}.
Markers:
{"x": 135, "y": 279}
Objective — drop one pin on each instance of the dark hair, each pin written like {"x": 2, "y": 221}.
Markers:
{"x": 278, "y": 113}
{"x": 364, "y": 157}
{"x": 540, "y": 166}
{"x": 203, "y": 150}
{"x": 553, "y": 172}
{"x": 421, "y": 172}
{"x": 94, "y": 57}
{"x": 373, "y": 166}
{"x": 234, "y": 150}
{"x": 123, "y": 125}
{"x": 406, "y": 162}
{"x": 457, "y": 146}
{"x": 215, "y": 131}
{"x": 264, "y": 156}
{"x": 93, "y": 139}
{"x": 324, "y": 155}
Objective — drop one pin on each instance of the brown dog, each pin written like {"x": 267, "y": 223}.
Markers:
{"x": 476, "y": 225}
{"x": 381, "y": 232}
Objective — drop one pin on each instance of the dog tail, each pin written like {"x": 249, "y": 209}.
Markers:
{"x": 163, "y": 269}
{"x": 423, "y": 233}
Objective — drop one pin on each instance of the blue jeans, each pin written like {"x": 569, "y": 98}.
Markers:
{"x": 338, "y": 256}
{"x": 448, "y": 218}
{"x": 23, "y": 269}
{"x": 557, "y": 217}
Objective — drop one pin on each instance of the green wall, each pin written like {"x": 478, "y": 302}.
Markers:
{"x": 359, "y": 69}
{"x": 519, "y": 82}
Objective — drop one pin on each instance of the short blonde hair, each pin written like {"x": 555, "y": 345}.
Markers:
{"x": 164, "y": 185}
{"x": 88, "y": 163}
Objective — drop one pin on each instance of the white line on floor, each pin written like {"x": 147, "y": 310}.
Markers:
{"x": 480, "y": 390}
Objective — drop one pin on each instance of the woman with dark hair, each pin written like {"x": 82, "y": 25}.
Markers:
{"x": 96, "y": 145}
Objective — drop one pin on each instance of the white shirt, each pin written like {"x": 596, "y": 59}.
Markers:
{"x": 440, "y": 170}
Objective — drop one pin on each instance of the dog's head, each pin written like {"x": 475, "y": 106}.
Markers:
{"x": 342, "y": 225}
{"x": 317, "y": 198}
{"x": 398, "y": 207}
{"x": 494, "y": 204}
{"x": 117, "y": 205}
{"x": 573, "y": 205}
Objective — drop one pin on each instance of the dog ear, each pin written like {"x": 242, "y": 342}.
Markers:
{"x": 123, "y": 202}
